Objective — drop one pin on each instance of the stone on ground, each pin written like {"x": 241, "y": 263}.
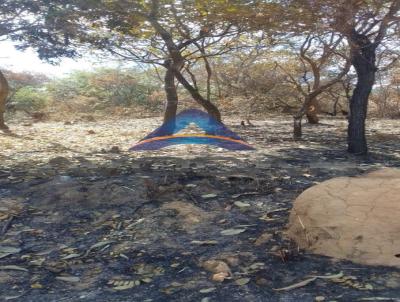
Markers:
{"x": 353, "y": 218}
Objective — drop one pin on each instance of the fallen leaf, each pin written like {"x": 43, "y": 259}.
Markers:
{"x": 307, "y": 281}
{"x": 240, "y": 204}
{"x": 8, "y": 298}
{"x": 71, "y": 279}
{"x": 231, "y": 232}
{"x": 124, "y": 285}
{"x": 220, "y": 277}
{"x": 97, "y": 245}
{"x": 204, "y": 242}
{"x": 297, "y": 285}
{"x": 339, "y": 275}
{"x": 8, "y": 250}
{"x": 13, "y": 268}
{"x": 146, "y": 280}
{"x": 257, "y": 265}
{"x": 242, "y": 281}
{"x": 208, "y": 196}
{"x": 36, "y": 285}
{"x": 71, "y": 256}
{"x": 38, "y": 262}
{"x": 101, "y": 244}
{"x": 207, "y": 290}
{"x": 244, "y": 194}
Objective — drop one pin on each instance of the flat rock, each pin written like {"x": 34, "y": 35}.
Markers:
{"x": 353, "y": 218}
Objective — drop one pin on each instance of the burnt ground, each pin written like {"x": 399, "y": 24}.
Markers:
{"x": 82, "y": 219}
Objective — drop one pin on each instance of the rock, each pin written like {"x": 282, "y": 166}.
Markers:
{"x": 354, "y": 218}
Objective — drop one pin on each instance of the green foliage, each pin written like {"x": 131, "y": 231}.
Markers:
{"x": 30, "y": 99}
{"x": 45, "y": 26}
{"x": 107, "y": 87}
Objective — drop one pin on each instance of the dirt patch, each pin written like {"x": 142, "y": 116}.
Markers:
{"x": 188, "y": 214}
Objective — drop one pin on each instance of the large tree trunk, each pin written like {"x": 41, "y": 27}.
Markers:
{"x": 212, "y": 110}
{"x": 312, "y": 112}
{"x": 4, "y": 90}
{"x": 297, "y": 131}
{"x": 335, "y": 105}
{"x": 297, "y": 118}
{"x": 172, "y": 100}
{"x": 363, "y": 59}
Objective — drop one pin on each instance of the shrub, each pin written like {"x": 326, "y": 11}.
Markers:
{"x": 29, "y": 99}
{"x": 109, "y": 87}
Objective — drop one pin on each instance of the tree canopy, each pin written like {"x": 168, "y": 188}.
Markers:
{"x": 181, "y": 36}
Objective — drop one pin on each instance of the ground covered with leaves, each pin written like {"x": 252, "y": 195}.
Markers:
{"x": 83, "y": 219}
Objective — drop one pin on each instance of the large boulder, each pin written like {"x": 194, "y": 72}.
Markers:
{"x": 354, "y": 218}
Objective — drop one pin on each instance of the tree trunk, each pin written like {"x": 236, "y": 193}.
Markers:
{"x": 297, "y": 132}
{"x": 308, "y": 101}
{"x": 363, "y": 59}
{"x": 172, "y": 101}
{"x": 335, "y": 105}
{"x": 4, "y": 90}
{"x": 209, "y": 106}
{"x": 177, "y": 61}
{"x": 311, "y": 113}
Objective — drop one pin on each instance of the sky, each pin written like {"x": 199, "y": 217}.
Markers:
{"x": 15, "y": 60}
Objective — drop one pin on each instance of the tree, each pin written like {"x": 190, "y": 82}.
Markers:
{"x": 251, "y": 81}
{"x": 318, "y": 55}
{"x": 369, "y": 27}
{"x": 4, "y": 90}
{"x": 166, "y": 33}
{"x": 34, "y": 24}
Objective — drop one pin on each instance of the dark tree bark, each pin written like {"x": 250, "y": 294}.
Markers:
{"x": 172, "y": 100}
{"x": 363, "y": 58}
{"x": 4, "y": 90}
{"x": 297, "y": 132}
{"x": 297, "y": 118}
{"x": 335, "y": 105}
